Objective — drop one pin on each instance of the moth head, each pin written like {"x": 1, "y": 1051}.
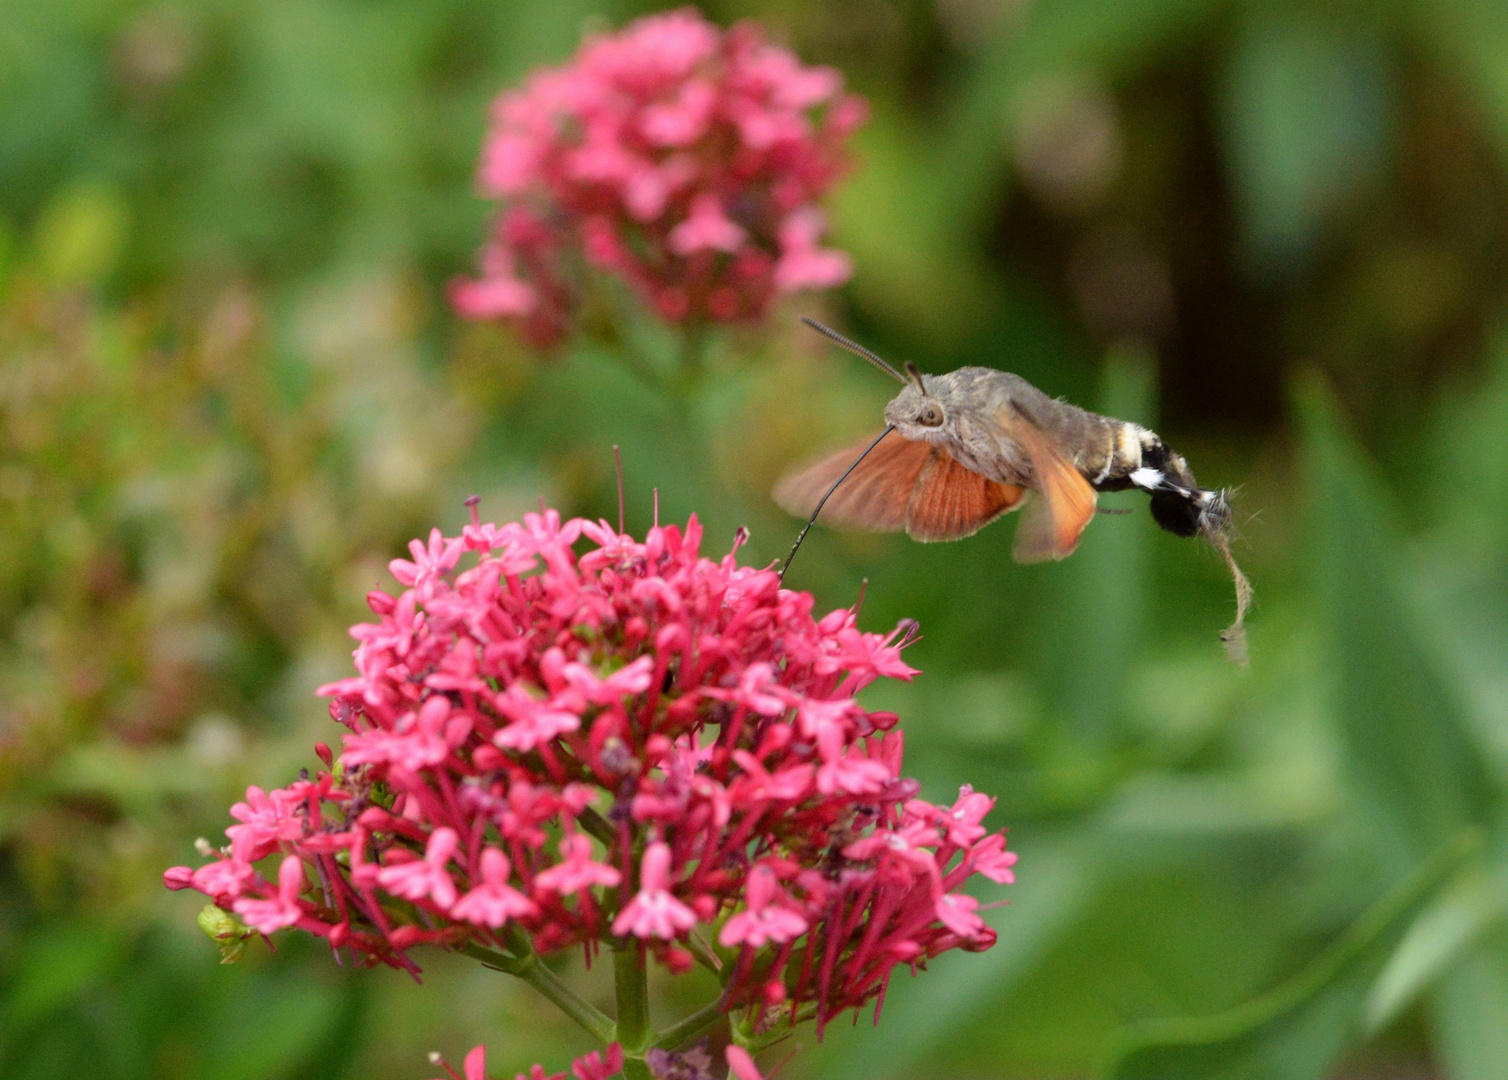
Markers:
{"x": 917, "y": 411}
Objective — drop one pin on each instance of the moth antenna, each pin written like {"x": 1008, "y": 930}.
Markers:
{"x": 853, "y": 347}
{"x": 618, "y": 467}
{"x": 915, "y": 376}
{"x": 822, "y": 501}
{"x": 657, "y": 508}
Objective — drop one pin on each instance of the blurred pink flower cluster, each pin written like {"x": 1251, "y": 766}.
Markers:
{"x": 609, "y": 1062}
{"x": 593, "y": 1066}
{"x": 635, "y": 744}
{"x": 683, "y": 159}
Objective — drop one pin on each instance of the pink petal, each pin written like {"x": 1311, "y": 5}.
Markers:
{"x": 741, "y": 1064}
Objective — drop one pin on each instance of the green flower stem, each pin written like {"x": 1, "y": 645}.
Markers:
{"x": 597, "y": 825}
{"x": 704, "y": 955}
{"x": 755, "y": 1043}
{"x": 690, "y": 1027}
{"x": 634, "y": 1033}
{"x": 643, "y": 369}
{"x": 693, "y": 357}
{"x": 498, "y": 961}
{"x": 527, "y": 967}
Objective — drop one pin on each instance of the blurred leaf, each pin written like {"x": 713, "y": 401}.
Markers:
{"x": 1192, "y": 806}
{"x": 1107, "y": 584}
{"x": 1300, "y": 1029}
{"x": 1059, "y": 37}
{"x": 1101, "y": 33}
{"x": 1306, "y": 118}
{"x": 1455, "y": 582}
{"x": 903, "y": 224}
{"x": 1419, "y": 776}
{"x": 137, "y": 779}
{"x": 1462, "y": 615}
{"x": 1467, "y": 1015}
{"x": 55, "y": 968}
{"x": 81, "y": 233}
{"x": 1471, "y": 39}
{"x": 1464, "y": 910}
{"x": 270, "y": 1032}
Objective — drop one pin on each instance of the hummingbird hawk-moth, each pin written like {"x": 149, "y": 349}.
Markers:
{"x": 977, "y": 443}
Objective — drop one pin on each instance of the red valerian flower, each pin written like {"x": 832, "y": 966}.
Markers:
{"x": 654, "y": 912}
{"x": 270, "y": 915}
{"x": 633, "y": 746}
{"x": 494, "y": 901}
{"x": 765, "y": 919}
{"x": 685, "y": 160}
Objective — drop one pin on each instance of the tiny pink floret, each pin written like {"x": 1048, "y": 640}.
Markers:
{"x": 740, "y": 1064}
{"x": 654, "y": 912}
{"x": 269, "y": 916}
{"x": 494, "y": 901}
{"x": 426, "y": 878}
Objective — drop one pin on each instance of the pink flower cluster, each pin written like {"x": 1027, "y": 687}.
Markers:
{"x": 609, "y": 1063}
{"x": 683, "y": 159}
{"x": 634, "y": 744}
{"x": 593, "y": 1066}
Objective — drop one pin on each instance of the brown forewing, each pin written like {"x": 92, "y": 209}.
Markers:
{"x": 875, "y": 496}
{"x": 1063, "y": 502}
{"x": 901, "y": 485}
{"x": 950, "y": 501}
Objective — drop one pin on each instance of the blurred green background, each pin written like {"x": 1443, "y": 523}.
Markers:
{"x": 230, "y": 389}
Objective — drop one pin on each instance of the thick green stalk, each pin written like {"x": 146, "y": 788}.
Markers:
{"x": 634, "y": 1033}
{"x": 691, "y": 1026}
{"x": 528, "y": 968}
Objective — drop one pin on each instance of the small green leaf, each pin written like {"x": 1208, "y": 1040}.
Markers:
{"x": 226, "y": 931}
{"x": 1300, "y": 1029}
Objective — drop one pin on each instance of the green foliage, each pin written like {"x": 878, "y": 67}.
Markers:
{"x": 1297, "y": 1030}
{"x": 230, "y": 390}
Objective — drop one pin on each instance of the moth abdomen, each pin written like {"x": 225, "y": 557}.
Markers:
{"x": 1175, "y": 512}
{"x": 1140, "y": 459}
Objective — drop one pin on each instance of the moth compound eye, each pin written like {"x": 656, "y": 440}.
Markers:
{"x": 930, "y": 416}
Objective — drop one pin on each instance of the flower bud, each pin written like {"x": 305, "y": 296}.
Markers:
{"x": 178, "y": 877}
{"x": 221, "y": 927}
